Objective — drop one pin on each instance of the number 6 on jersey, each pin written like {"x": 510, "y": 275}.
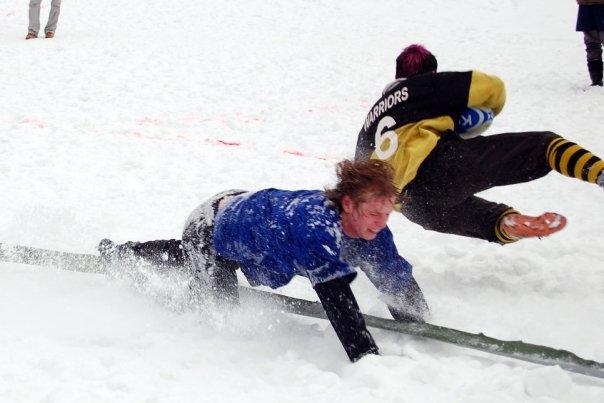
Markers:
{"x": 386, "y": 122}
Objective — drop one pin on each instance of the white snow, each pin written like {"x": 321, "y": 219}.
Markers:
{"x": 137, "y": 111}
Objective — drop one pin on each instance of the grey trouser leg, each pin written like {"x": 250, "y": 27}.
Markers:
{"x": 593, "y": 44}
{"x": 34, "y": 16}
{"x": 214, "y": 277}
{"x": 53, "y": 17}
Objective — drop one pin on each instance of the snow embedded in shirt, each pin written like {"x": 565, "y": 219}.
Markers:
{"x": 277, "y": 234}
{"x": 321, "y": 217}
{"x": 379, "y": 259}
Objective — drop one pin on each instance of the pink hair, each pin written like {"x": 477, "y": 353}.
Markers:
{"x": 410, "y": 61}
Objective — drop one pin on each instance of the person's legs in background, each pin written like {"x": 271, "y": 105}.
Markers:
{"x": 34, "y": 19}
{"x": 593, "y": 49}
{"x": 53, "y": 19}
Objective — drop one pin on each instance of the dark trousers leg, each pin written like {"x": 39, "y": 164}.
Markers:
{"x": 214, "y": 277}
{"x": 160, "y": 253}
{"x": 345, "y": 316}
{"x": 224, "y": 281}
{"x": 593, "y": 49}
{"x": 441, "y": 197}
{"x": 474, "y": 217}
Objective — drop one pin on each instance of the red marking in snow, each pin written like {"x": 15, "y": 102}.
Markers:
{"x": 294, "y": 152}
{"x": 227, "y": 120}
{"x": 301, "y": 154}
{"x": 325, "y": 109}
{"x": 147, "y": 120}
{"x": 38, "y": 123}
{"x": 229, "y": 143}
{"x": 219, "y": 142}
{"x": 148, "y": 136}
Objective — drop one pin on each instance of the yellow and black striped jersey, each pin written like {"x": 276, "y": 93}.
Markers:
{"x": 406, "y": 123}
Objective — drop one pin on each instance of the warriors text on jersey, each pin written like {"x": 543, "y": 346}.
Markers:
{"x": 405, "y": 124}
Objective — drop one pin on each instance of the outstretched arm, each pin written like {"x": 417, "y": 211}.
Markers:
{"x": 345, "y": 317}
{"x": 410, "y": 306}
{"x": 391, "y": 274}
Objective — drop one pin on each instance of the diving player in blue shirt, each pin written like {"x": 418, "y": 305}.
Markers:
{"x": 273, "y": 235}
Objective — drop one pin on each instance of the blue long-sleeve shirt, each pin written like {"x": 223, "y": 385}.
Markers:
{"x": 277, "y": 234}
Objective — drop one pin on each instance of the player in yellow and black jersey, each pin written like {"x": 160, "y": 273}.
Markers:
{"x": 415, "y": 126}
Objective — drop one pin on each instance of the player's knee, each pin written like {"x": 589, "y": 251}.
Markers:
{"x": 548, "y": 135}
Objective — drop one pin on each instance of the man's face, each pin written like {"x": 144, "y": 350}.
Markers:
{"x": 366, "y": 218}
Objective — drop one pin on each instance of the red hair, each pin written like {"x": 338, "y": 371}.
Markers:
{"x": 415, "y": 59}
{"x": 358, "y": 179}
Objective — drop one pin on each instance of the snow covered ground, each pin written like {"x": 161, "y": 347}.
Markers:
{"x": 137, "y": 111}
